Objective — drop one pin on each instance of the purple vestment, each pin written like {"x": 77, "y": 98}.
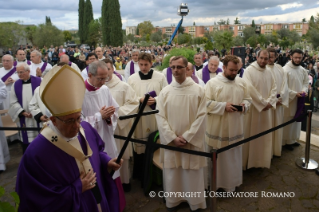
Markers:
{"x": 241, "y": 74}
{"x": 300, "y": 107}
{"x": 206, "y": 72}
{"x": 169, "y": 75}
{"x": 16, "y": 63}
{"x": 9, "y": 74}
{"x": 132, "y": 71}
{"x": 49, "y": 180}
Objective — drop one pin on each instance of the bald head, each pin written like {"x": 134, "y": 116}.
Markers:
{"x": 189, "y": 70}
{"x": 65, "y": 58}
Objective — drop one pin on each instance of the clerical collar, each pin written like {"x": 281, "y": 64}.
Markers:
{"x": 22, "y": 61}
{"x": 26, "y": 81}
{"x": 146, "y": 76}
{"x": 89, "y": 86}
{"x": 198, "y": 67}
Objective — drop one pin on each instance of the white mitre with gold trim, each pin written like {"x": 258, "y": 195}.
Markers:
{"x": 62, "y": 91}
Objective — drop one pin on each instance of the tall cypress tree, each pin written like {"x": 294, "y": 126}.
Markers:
{"x": 88, "y": 17}
{"x": 115, "y": 23}
{"x": 81, "y": 20}
{"x": 105, "y": 21}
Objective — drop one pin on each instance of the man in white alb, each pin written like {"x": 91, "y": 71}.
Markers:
{"x": 132, "y": 66}
{"x": 37, "y": 66}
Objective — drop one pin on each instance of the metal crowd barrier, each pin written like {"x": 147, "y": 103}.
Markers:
{"x": 305, "y": 163}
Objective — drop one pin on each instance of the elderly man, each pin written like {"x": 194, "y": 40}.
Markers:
{"x": 98, "y": 51}
{"x": 182, "y": 127}
{"x": 263, "y": 91}
{"x": 297, "y": 81}
{"x": 128, "y": 104}
{"x": 74, "y": 167}
{"x": 20, "y": 96}
{"x": 101, "y": 110}
{"x": 145, "y": 81}
{"x": 198, "y": 60}
{"x": 38, "y": 66}
{"x": 65, "y": 58}
{"x": 225, "y": 122}
{"x": 21, "y": 58}
{"x": 132, "y": 66}
{"x": 209, "y": 71}
{"x": 8, "y": 76}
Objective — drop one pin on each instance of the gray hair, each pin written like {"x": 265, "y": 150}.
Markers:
{"x": 65, "y": 55}
{"x": 37, "y": 53}
{"x": 135, "y": 50}
{"x": 9, "y": 55}
{"x": 24, "y": 65}
{"x": 213, "y": 58}
{"x": 95, "y": 65}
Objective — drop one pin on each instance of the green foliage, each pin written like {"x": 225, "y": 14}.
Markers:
{"x": 252, "y": 41}
{"x": 262, "y": 40}
{"x": 7, "y": 207}
{"x": 48, "y": 20}
{"x": 221, "y": 22}
{"x": 223, "y": 39}
{"x": 10, "y": 34}
{"x": 147, "y": 38}
{"x": 145, "y": 28}
{"x": 284, "y": 43}
{"x": 130, "y": 37}
{"x": 87, "y": 18}
{"x": 67, "y": 35}
{"x": 187, "y": 53}
{"x": 236, "y": 21}
{"x": 227, "y": 23}
{"x": 303, "y": 20}
{"x": 115, "y": 23}
{"x": 81, "y": 20}
{"x": 248, "y": 33}
{"x": 238, "y": 41}
{"x": 156, "y": 36}
{"x": 194, "y": 24}
{"x": 180, "y": 30}
{"x": 184, "y": 38}
{"x": 253, "y": 23}
{"x": 95, "y": 32}
{"x": 209, "y": 45}
{"x": 208, "y": 35}
{"x": 313, "y": 37}
{"x": 283, "y": 33}
{"x": 30, "y": 31}
{"x": 198, "y": 40}
{"x": 47, "y": 35}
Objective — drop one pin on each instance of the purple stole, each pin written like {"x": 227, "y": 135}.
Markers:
{"x": 35, "y": 82}
{"x": 16, "y": 63}
{"x": 90, "y": 87}
{"x": 195, "y": 78}
{"x": 153, "y": 94}
{"x": 300, "y": 107}
{"x": 241, "y": 73}
{"x": 169, "y": 75}
{"x": 70, "y": 63}
{"x": 44, "y": 66}
{"x": 206, "y": 72}
{"x": 118, "y": 75}
{"x": 132, "y": 71}
{"x": 9, "y": 74}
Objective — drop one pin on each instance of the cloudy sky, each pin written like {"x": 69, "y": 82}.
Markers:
{"x": 64, "y": 13}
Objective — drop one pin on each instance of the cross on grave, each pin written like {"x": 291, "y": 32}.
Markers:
{"x": 137, "y": 117}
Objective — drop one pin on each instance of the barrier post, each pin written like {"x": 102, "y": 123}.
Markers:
{"x": 213, "y": 181}
{"x": 306, "y": 162}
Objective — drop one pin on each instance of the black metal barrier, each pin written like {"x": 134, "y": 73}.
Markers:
{"x": 212, "y": 155}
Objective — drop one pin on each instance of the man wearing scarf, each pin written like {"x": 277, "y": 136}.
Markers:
{"x": 210, "y": 70}
{"x": 297, "y": 81}
{"x": 263, "y": 91}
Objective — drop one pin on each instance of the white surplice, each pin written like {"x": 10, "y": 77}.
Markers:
{"x": 225, "y": 128}
{"x": 36, "y": 105}
{"x": 127, "y": 71}
{"x": 263, "y": 90}
{"x": 278, "y": 114}
{"x": 199, "y": 74}
{"x": 16, "y": 109}
{"x": 128, "y": 103}
{"x": 4, "y": 150}
{"x": 182, "y": 111}
{"x": 92, "y": 104}
{"x": 33, "y": 68}
{"x": 147, "y": 124}
{"x": 14, "y": 76}
{"x": 297, "y": 81}
{"x": 73, "y": 65}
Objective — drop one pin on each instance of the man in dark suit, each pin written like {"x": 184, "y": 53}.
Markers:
{"x": 9, "y": 51}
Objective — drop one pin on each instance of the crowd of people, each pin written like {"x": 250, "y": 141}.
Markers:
{"x": 217, "y": 101}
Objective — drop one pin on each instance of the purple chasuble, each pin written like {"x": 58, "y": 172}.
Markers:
{"x": 35, "y": 82}
{"x": 153, "y": 94}
{"x": 132, "y": 71}
{"x": 49, "y": 179}
{"x": 44, "y": 66}
{"x": 16, "y": 63}
{"x": 241, "y": 73}
{"x": 169, "y": 75}
{"x": 300, "y": 107}
{"x": 118, "y": 75}
{"x": 206, "y": 72}
{"x": 9, "y": 74}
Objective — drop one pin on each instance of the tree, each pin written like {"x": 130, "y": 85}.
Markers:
{"x": 145, "y": 27}
{"x": 194, "y": 24}
{"x": 130, "y": 37}
{"x": 221, "y": 22}
{"x": 184, "y": 38}
{"x": 47, "y": 35}
{"x": 227, "y": 23}
{"x": 114, "y": 23}
{"x": 303, "y": 20}
{"x": 30, "y": 31}
{"x": 156, "y": 36}
{"x": 95, "y": 35}
{"x": 284, "y": 43}
{"x": 252, "y": 41}
{"x": 253, "y": 23}
{"x": 81, "y": 20}
{"x": 187, "y": 53}
{"x": 262, "y": 40}
{"x": 180, "y": 30}
{"x": 223, "y": 39}
{"x": 215, "y": 23}
{"x": 236, "y": 21}
{"x": 248, "y": 33}
{"x": 208, "y": 35}
{"x": 283, "y": 33}
{"x": 10, "y": 34}
{"x": 88, "y": 17}
{"x": 48, "y": 20}
{"x": 67, "y": 35}
{"x": 208, "y": 46}
{"x": 137, "y": 30}
{"x": 238, "y": 41}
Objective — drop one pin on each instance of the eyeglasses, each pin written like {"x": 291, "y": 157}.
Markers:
{"x": 103, "y": 79}
{"x": 71, "y": 121}
{"x": 177, "y": 67}
{"x": 297, "y": 58}
{"x": 20, "y": 72}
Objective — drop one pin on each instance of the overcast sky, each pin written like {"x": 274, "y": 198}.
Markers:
{"x": 64, "y": 13}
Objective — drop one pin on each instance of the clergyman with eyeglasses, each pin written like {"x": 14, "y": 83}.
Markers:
{"x": 65, "y": 167}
